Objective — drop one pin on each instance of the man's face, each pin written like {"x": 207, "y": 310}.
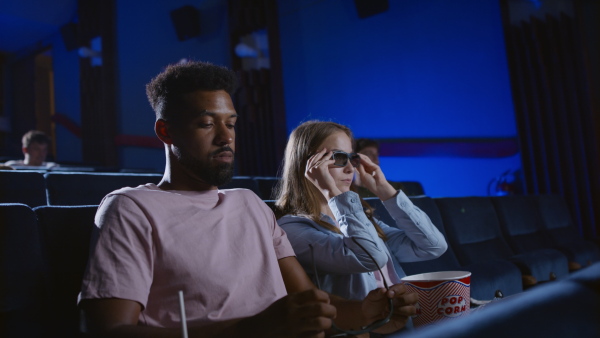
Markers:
{"x": 203, "y": 136}
{"x": 35, "y": 154}
{"x": 372, "y": 153}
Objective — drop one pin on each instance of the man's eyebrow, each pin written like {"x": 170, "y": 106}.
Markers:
{"x": 213, "y": 114}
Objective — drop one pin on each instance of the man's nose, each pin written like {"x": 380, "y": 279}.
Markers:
{"x": 224, "y": 135}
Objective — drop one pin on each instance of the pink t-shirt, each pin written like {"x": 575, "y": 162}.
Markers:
{"x": 219, "y": 247}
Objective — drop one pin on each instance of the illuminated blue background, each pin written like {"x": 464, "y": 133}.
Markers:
{"x": 422, "y": 69}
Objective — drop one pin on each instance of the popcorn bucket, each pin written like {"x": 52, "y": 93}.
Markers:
{"x": 442, "y": 295}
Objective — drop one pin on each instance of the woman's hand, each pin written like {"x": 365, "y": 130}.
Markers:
{"x": 317, "y": 172}
{"x": 376, "y": 306}
{"x": 373, "y": 179}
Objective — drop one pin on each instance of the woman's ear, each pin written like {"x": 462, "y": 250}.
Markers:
{"x": 161, "y": 128}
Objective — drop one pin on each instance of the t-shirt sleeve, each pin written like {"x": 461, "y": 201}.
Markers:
{"x": 281, "y": 243}
{"x": 120, "y": 263}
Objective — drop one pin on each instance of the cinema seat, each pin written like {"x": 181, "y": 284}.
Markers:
{"x": 245, "y": 182}
{"x": 558, "y": 222}
{"x": 90, "y": 188}
{"x": 486, "y": 277}
{"x": 266, "y": 186}
{"x": 521, "y": 226}
{"x": 21, "y": 273}
{"x": 65, "y": 236}
{"x": 19, "y": 186}
{"x": 474, "y": 233}
{"x": 412, "y": 188}
{"x": 566, "y": 308}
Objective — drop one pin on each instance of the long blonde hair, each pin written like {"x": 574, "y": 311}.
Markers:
{"x": 295, "y": 194}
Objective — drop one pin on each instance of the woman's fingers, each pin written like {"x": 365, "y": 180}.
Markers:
{"x": 367, "y": 164}
{"x": 318, "y": 159}
{"x": 314, "y": 158}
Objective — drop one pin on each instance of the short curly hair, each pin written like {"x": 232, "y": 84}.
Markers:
{"x": 362, "y": 143}
{"x": 34, "y": 136}
{"x": 165, "y": 90}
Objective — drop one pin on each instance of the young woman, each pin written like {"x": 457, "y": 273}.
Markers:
{"x": 332, "y": 229}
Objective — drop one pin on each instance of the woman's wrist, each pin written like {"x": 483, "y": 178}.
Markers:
{"x": 386, "y": 191}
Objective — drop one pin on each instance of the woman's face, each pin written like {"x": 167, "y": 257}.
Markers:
{"x": 342, "y": 175}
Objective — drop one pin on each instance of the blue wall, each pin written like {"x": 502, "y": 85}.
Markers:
{"x": 147, "y": 42}
{"x": 67, "y": 100}
{"x": 422, "y": 69}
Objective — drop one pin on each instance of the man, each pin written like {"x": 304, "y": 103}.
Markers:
{"x": 35, "y": 149}
{"x": 222, "y": 248}
{"x": 369, "y": 147}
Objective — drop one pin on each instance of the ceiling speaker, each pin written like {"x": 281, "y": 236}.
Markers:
{"x": 70, "y": 36}
{"x": 186, "y": 21}
{"x": 366, "y": 8}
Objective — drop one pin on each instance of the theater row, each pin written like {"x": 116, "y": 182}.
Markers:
{"x": 511, "y": 244}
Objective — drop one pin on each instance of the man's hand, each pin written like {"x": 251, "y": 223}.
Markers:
{"x": 303, "y": 314}
{"x": 376, "y": 306}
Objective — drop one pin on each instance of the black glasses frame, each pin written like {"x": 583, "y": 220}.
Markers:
{"x": 370, "y": 327}
{"x": 352, "y": 157}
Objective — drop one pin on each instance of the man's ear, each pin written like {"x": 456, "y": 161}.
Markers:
{"x": 25, "y": 151}
{"x": 161, "y": 128}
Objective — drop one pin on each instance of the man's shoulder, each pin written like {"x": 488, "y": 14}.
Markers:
{"x": 243, "y": 198}
{"x": 133, "y": 193}
{"x": 129, "y": 200}
{"x": 14, "y": 162}
{"x": 139, "y": 190}
{"x": 50, "y": 165}
{"x": 241, "y": 193}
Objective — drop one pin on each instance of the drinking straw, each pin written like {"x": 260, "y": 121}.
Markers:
{"x": 182, "y": 311}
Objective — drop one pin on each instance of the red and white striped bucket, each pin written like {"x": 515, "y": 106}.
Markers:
{"x": 442, "y": 295}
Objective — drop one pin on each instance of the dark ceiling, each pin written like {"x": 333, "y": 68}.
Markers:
{"x": 25, "y": 22}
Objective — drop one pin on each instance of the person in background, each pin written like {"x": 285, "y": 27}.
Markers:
{"x": 222, "y": 249}
{"x": 332, "y": 230}
{"x": 35, "y": 146}
{"x": 370, "y": 148}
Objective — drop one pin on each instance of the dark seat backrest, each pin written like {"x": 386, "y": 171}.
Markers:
{"x": 447, "y": 261}
{"x": 65, "y": 233}
{"x": 473, "y": 229}
{"x": 379, "y": 210}
{"x": 487, "y": 276}
{"x": 27, "y": 187}
{"x": 538, "y": 312}
{"x": 558, "y": 224}
{"x": 246, "y": 182}
{"x": 271, "y": 204}
{"x": 266, "y": 185}
{"x": 557, "y": 218}
{"x": 521, "y": 223}
{"x": 412, "y": 188}
{"x": 90, "y": 188}
{"x": 21, "y": 273}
